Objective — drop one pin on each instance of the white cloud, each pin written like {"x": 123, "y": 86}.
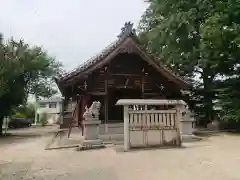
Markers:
{"x": 74, "y": 30}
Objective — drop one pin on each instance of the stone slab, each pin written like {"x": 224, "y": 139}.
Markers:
{"x": 91, "y": 144}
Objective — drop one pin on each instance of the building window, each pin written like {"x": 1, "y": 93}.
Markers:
{"x": 52, "y": 105}
{"x": 42, "y": 105}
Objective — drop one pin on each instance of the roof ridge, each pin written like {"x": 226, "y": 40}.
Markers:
{"x": 126, "y": 31}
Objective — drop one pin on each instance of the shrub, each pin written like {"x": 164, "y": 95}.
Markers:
{"x": 230, "y": 125}
{"x": 43, "y": 119}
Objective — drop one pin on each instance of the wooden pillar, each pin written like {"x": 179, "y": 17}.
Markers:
{"x": 82, "y": 103}
{"x": 62, "y": 121}
{"x": 84, "y": 100}
{"x": 106, "y": 101}
{"x": 142, "y": 82}
{"x": 126, "y": 128}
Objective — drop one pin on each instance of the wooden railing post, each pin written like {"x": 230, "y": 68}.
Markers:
{"x": 126, "y": 128}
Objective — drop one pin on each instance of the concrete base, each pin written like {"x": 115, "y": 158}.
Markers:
{"x": 91, "y": 144}
{"x": 190, "y": 138}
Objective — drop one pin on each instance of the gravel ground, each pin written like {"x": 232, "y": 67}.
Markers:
{"x": 217, "y": 158}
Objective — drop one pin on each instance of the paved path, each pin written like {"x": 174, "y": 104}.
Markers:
{"x": 217, "y": 158}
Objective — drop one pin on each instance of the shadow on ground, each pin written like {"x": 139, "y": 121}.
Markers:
{"x": 12, "y": 137}
{"x": 207, "y": 133}
{"x": 25, "y": 134}
{"x": 16, "y": 138}
{"x": 120, "y": 149}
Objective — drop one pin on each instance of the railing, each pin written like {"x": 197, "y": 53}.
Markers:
{"x": 153, "y": 127}
{"x": 151, "y": 122}
{"x": 152, "y": 119}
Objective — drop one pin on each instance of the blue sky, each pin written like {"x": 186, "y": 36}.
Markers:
{"x": 73, "y": 30}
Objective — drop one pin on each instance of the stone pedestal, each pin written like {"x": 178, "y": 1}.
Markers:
{"x": 91, "y": 134}
{"x": 187, "y": 129}
{"x": 187, "y": 126}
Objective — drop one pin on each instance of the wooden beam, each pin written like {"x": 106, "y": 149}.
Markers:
{"x": 124, "y": 87}
{"x": 147, "y": 89}
{"x": 75, "y": 80}
{"x": 152, "y": 93}
{"x": 106, "y": 99}
{"x": 122, "y": 74}
{"x": 97, "y": 93}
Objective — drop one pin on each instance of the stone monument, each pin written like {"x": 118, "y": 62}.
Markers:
{"x": 187, "y": 126}
{"x": 91, "y": 127}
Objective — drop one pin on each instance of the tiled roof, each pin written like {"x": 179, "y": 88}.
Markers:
{"x": 127, "y": 31}
{"x": 105, "y": 52}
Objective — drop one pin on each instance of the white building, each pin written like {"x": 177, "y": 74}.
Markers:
{"x": 52, "y": 107}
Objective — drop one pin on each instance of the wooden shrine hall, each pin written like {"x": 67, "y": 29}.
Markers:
{"x": 123, "y": 70}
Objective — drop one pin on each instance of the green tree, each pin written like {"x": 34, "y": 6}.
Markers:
{"x": 24, "y": 70}
{"x": 196, "y": 37}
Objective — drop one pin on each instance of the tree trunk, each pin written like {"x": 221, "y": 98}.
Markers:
{"x": 207, "y": 98}
{"x": 1, "y": 125}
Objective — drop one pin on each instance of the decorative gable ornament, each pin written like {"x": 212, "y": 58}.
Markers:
{"x": 126, "y": 30}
